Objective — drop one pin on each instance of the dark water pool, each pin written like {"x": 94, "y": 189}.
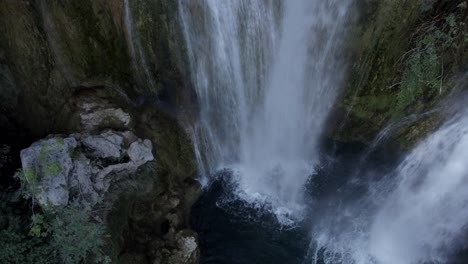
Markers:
{"x": 237, "y": 233}
{"x": 234, "y": 232}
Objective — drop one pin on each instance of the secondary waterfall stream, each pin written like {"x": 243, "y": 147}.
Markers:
{"x": 266, "y": 74}
{"x": 415, "y": 214}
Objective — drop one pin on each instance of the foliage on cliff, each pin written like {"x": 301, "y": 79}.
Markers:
{"x": 408, "y": 53}
{"x": 72, "y": 235}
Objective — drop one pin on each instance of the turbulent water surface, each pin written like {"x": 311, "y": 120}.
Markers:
{"x": 415, "y": 214}
{"x": 266, "y": 74}
{"x": 388, "y": 210}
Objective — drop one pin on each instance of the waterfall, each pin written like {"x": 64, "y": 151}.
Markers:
{"x": 417, "y": 214}
{"x": 266, "y": 74}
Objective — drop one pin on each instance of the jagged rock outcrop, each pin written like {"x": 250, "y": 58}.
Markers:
{"x": 139, "y": 165}
{"x": 47, "y": 166}
{"x": 78, "y": 166}
{"x": 94, "y": 115}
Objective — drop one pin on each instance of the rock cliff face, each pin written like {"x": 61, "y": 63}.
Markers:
{"x": 51, "y": 49}
{"x": 409, "y": 59}
{"x": 89, "y": 77}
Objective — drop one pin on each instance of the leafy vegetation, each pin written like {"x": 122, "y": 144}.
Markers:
{"x": 423, "y": 74}
{"x": 72, "y": 235}
{"x": 406, "y": 56}
{"x": 78, "y": 235}
{"x": 17, "y": 245}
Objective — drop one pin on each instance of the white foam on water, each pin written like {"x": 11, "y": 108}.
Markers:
{"x": 418, "y": 214}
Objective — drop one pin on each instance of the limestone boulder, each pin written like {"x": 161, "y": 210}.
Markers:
{"x": 81, "y": 166}
{"x": 47, "y": 165}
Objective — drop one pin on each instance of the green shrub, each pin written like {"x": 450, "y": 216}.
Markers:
{"x": 421, "y": 74}
{"x": 16, "y": 243}
{"x": 77, "y": 236}
{"x": 17, "y": 247}
{"x": 423, "y": 70}
{"x": 70, "y": 235}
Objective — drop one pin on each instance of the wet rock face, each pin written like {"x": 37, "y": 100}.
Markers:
{"x": 48, "y": 49}
{"x": 391, "y": 83}
{"x": 58, "y": 168}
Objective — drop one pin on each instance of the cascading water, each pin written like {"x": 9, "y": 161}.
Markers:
{"x": 266, "y": 74}
{"x": 417, "y": 214}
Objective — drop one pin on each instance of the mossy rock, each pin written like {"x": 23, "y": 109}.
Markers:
{"x": 391, "y": 54}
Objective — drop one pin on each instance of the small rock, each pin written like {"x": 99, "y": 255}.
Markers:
{"x": 187, "y": 251}
{"x": 173, "y": 202}
{"x": 173, "y": 219}
{"x": 141, "y": 151}
{"x": 129, "y": 137}
{"x": 96, "y": 113}
{"x": 105, "y": 145}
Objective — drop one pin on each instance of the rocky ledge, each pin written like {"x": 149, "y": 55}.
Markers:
{"x": 59, "y": 168}
{"x": 144, "y": 201}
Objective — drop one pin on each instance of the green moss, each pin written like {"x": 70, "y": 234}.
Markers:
{"x": 60, "y": 142}
{"x": 371, "y": 95}
{"x": 29, "y": 176}
{"x": 369, "y": 105}
{"x": 51, "y": 168}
